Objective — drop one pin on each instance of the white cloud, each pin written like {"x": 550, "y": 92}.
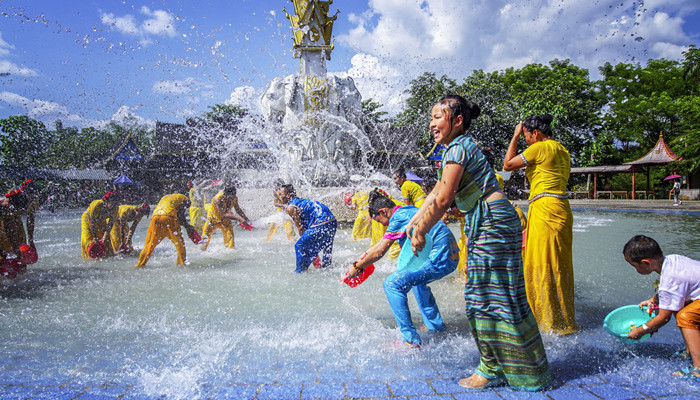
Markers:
{"x": 398, "y": 40}
{"x": 9, "y": 68}
{"x": 184, "y": 86}
{"x": 157, "y": 23}
{"x": 39, "y": 109}
{"x": 245, "y": 96}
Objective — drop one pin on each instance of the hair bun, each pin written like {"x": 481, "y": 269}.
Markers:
{"x": 546, "y": 118}
{"x": 474, "y": 110}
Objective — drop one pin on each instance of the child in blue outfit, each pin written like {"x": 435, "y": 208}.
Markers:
{"x": 441, "y": 262}
{"x": 316, "y": 224}
{"x": 678, "y": 293}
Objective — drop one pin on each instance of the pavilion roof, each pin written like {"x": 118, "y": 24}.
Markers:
{"x": 660, "y": 154}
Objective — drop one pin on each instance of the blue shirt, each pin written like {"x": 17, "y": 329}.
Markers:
{"x": 312, "y": 213}
{"x": 396, "y": 229}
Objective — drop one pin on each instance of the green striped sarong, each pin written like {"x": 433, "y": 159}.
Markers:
{"x": 500, "y": 318}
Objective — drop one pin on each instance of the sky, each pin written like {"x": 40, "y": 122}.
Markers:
{"x": 87, "y": 63}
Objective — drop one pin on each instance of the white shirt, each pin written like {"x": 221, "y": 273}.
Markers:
{"x": 679, "y": 282}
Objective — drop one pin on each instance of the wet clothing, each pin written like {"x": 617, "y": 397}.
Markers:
{"x": 499, "y": 315}
{"x": 378, "y": 230}
{"x": 198, "y": 215}
{"x": 547, "y": 258}
{"x": 118, "y": 236}
{"x": 413, "y": 191}
{"x": 440, "y": 263}
{"x": 320, "y": 225}
{"x": 216, "y": 220}
{"x": 362, "y": 228}
{"x": 96, "y": 217}
{"x": 165, "y": 223}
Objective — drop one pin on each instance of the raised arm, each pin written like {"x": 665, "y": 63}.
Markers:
{"x": 512, "y": 161}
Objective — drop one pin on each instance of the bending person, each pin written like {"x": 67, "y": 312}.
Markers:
{"x": 96, "y": 223}
{"x": 499, "y": 316}
{"x": 121, "y": 233}
{"x": 547, "y": 258}
{"x": 220, "y": 216}
{"x": 169, "y": 214}
{"x": 317, "y": 226}
{"x": 442, "y": 260}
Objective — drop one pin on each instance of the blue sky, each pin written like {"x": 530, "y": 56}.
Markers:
{"x": 90, "y": 62}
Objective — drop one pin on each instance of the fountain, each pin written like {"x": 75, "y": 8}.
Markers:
{"x": 317, "y": 116}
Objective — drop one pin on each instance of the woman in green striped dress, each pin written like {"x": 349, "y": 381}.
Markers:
{"x": 500, "y": 318}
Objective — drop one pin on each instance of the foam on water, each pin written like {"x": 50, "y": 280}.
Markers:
{"x": 243, "y": 316}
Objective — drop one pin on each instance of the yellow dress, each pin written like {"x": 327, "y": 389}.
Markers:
{"x": 126, "y": 214}
{"x": 288, "y": 225}
{"x": 164, "y": 223}
{"x": 378, "y": 232}
{"x": 215, "y": 220}
{"x": 547, "y": 257}
{"x": 413, "y": 191}
{"x": 362, "y": 229}
{"x": 98, "y": 214}
{"x": 198, "y": 215}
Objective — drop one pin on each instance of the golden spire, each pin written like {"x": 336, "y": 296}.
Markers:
{"x": 312, "y": 26}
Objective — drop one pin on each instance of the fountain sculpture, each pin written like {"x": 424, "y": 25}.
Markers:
{"x": 316, "y": 117}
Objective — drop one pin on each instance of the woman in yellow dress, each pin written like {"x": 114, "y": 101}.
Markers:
{"x": 547, "y": 258}
{"x": 362, "y": 228}
{"x": 198, "y": 215}
{"x": 378, "y": 230}
{"x": 288, "y": 226}
{"x": 121, "y": 234}
{"x": 412, "y": 193}
{"x": 96, "y": 223}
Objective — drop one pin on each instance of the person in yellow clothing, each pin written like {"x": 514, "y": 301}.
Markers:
{"x": 198, "y": 199}
{"x": 121, "y": 234}
{"x": 24, "y": 236}
{"x": 547, "y": 257}
{"x": 362, "y": 228}
{"x": 11, "y": 206}
{"x": 169, "y": 214}
{"x": 96, "y": 223}
{"x": 378, "y": 230}
{"x": 288, "y": 225}
{"x": 220, "y": 216}
{"x": 412, "y": 193}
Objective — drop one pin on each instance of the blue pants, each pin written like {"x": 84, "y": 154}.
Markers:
{"x": 313, "y": 241}
{"x": 398, "y": 284}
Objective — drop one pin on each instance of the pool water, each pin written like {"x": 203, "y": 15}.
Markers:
{"x": 242, "y": 316}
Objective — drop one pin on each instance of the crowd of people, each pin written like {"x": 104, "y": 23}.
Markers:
{"x": 517, "y": 269}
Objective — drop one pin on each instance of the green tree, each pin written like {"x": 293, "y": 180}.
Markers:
{"x": 24, "y": 141}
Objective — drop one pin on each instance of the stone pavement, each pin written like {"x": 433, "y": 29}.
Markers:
{"x": 423, "y": 383}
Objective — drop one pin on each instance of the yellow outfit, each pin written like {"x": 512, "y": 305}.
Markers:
{"x": 215, "y": 220}
{"x": 413, "y": 191}
{"x": 164, "y": 223}
{"x": 198, "y": 215}
{"x": 547, "y": 257}
{"x": 378, "y": 232}
{"x": 288, "y": 226}
{"x": 98, "y": 214}
{"x": 125, "y": 214}
{"x": 362, "y": 228}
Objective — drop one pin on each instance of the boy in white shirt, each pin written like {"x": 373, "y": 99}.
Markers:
{"x": 678, "y": 293}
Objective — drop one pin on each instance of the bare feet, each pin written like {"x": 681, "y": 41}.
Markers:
{"x": 477, "y": 381}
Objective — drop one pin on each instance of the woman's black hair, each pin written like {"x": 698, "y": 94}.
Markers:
{"x": 401, "y": 173}
{"x": 458, "y": 105}
{"x": 641, "y": 247}
{"x": 230, "y": 190}
{"x": 539, "y": 122}
{"x": 290, "y": 189}
{"x": 377, "y": 201}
